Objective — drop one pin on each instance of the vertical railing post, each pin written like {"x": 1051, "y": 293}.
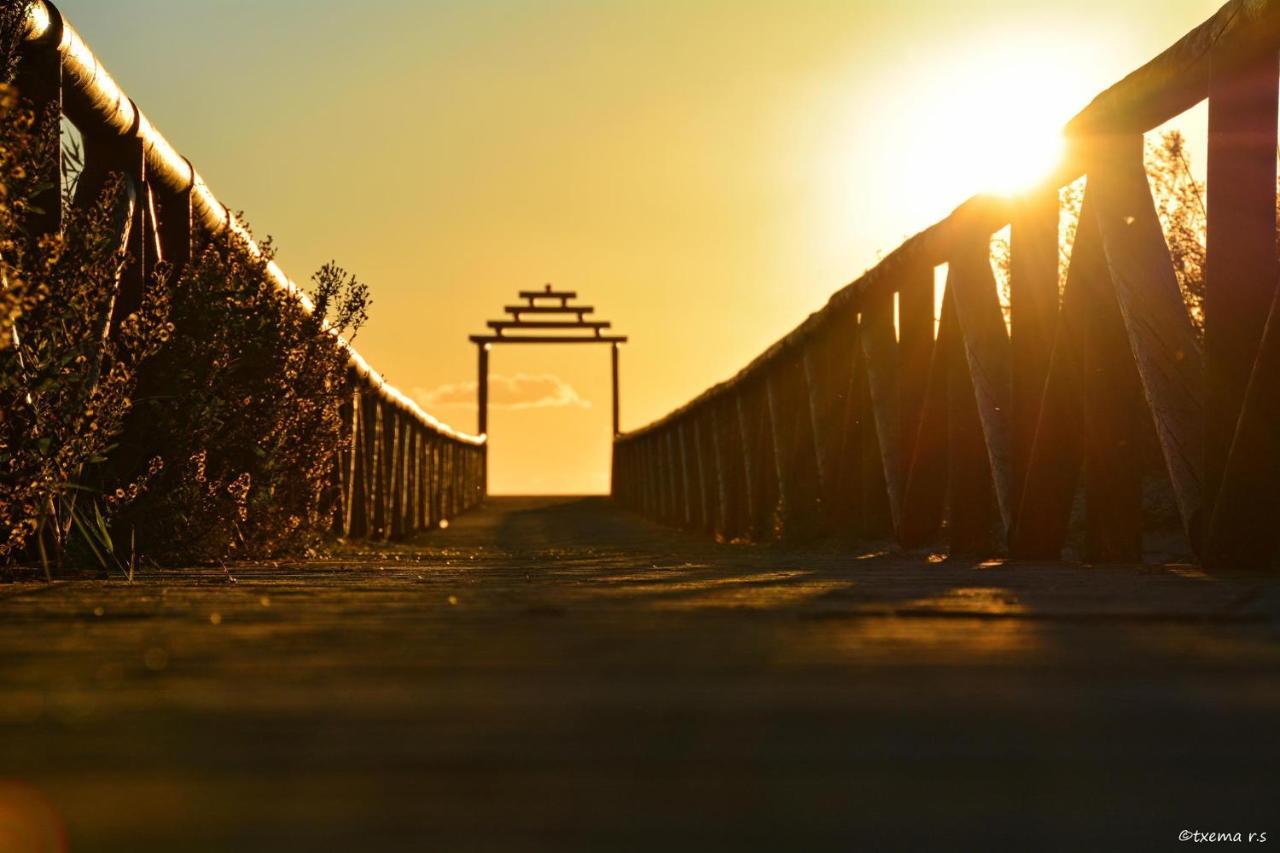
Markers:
{"x": 1112, "y": 394}
{"x": 410, "y": 476}
{"x": 341, "y": 523}
{"x": 175, "y": 227}
{"x": 640, "y": 471}
{"x": 795, "y": 453}
{"x": 652, "y": 476}
{"x": 747, "y": 518}
{"x": 819, "y": 428}
{"x": 875, "y": 517}
{"x": 674, "y": 474}
{"x": 880, "y": 359}
{"x": 1240, "y": 283}
{"x": 915, "y": 348}
{"x": 1033, "y": 313}
{"x": 105, "y": 155}
{"x": 986, "y": 349}
{"x": 705, "y": 462}
{"x": 653, "y": 482}
{"x": 924, "y": 504}
{"x": 613, "y": 353}
{"x": 456, "y": 461}
{"x": 382, "y": 469}
{"x": 370, "y": 420}
{"x": 411, "y": 479}
{"x": 778, "y": 449}
{"x": 724, "y": 516}
{"x": 839, "y": 390}
{"x": 482, "y": 407}
{"x": 1052, "y": 476}
{"x": 482, "y": 388}
{"x": 395, "y": 503}
{"x": 970, "y": 491}
{"x": 355, "y": 523}
{"x": 686, "y": 486}
{"x": 450, "y": 480}
{"x": 433, "y": 476}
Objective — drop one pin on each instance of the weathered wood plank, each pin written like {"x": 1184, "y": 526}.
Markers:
{"x": 835, "y": 353}
{"x": 926, "y": 494}
{"x": 1113, "y": 410}
{"x": 353, "y": 522}
{"x": 780, "y": 450}
{"x": 1033, "y": 317}
{"x": 1159, "y": 329}
{"x": 686, "y": 479}
{"x": 986, "y": 345}
{"x": 915, "y": 349}
{"x": 1240, "y": 280}
{"x": 803, "y": 480}
{"x": 1243, "y": 532}
{"x": 818, "y": 426}
{"x": 1057, "y": 452}
{"x": 874, "y": 513}
{"x": 880, "y": 361}
{"x": 970, "y": 489}
{"x": 723, "y": 520}
{"x": 703, "y": 471}
{"x": 750, "y": 464}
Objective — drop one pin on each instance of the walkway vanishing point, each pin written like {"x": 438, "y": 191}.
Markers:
{"x": 900, "y": 660}
{"x": 558, "y": 674}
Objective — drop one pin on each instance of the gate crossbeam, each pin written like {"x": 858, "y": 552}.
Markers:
{"x": 536, "y": 302}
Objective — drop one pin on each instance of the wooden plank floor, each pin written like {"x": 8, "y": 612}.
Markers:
{"x": 557, "y": 674}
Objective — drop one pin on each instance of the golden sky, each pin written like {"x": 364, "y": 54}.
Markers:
{"x": 705, "y": 172}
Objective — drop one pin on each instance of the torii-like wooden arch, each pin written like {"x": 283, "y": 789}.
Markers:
{"x": 559, "y": 329}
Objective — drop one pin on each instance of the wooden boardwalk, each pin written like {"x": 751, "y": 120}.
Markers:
{"x": 559, "y": 674}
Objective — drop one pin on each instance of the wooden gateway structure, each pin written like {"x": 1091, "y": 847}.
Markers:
{"x": 546, "y": 317}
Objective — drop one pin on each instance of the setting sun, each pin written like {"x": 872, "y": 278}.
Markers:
{"x": 1012, "y": 159}
{"x": 986, "y": 117}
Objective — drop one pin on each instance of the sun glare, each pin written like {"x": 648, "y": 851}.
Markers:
{"x": 998, "y": 115}
{"x": 981, "y": 119}
{"x": 1014, "y": 161}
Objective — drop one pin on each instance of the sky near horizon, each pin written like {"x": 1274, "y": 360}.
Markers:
{"x": 705, "y": 173}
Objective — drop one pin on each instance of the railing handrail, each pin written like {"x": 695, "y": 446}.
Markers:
{"x": 1171, "y": 83}
{"x": 95, "y": 101}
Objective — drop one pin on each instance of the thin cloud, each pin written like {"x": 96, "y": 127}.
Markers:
{"x": 520, "y": 391}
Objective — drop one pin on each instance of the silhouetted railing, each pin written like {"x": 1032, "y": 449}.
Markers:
{"x": 982, "y": 432}
{"x": 404, "y": 470}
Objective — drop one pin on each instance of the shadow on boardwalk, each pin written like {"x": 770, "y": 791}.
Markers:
{"x": 557, "y": 674}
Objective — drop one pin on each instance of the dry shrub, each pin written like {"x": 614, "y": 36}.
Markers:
{"x": 206, "y": 425}
{"x": 66, "y": 380}
{"x": 13, "y": 25}
{"x": 1179, "y": 200}
{"x": 244, "y": 405}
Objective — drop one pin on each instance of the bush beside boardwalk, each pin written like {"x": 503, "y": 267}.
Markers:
{"x": 205, "y": 425}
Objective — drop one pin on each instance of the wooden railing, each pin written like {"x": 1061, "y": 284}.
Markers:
{"x": 404, "y": 470}
{"x": 866, "y": 421}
